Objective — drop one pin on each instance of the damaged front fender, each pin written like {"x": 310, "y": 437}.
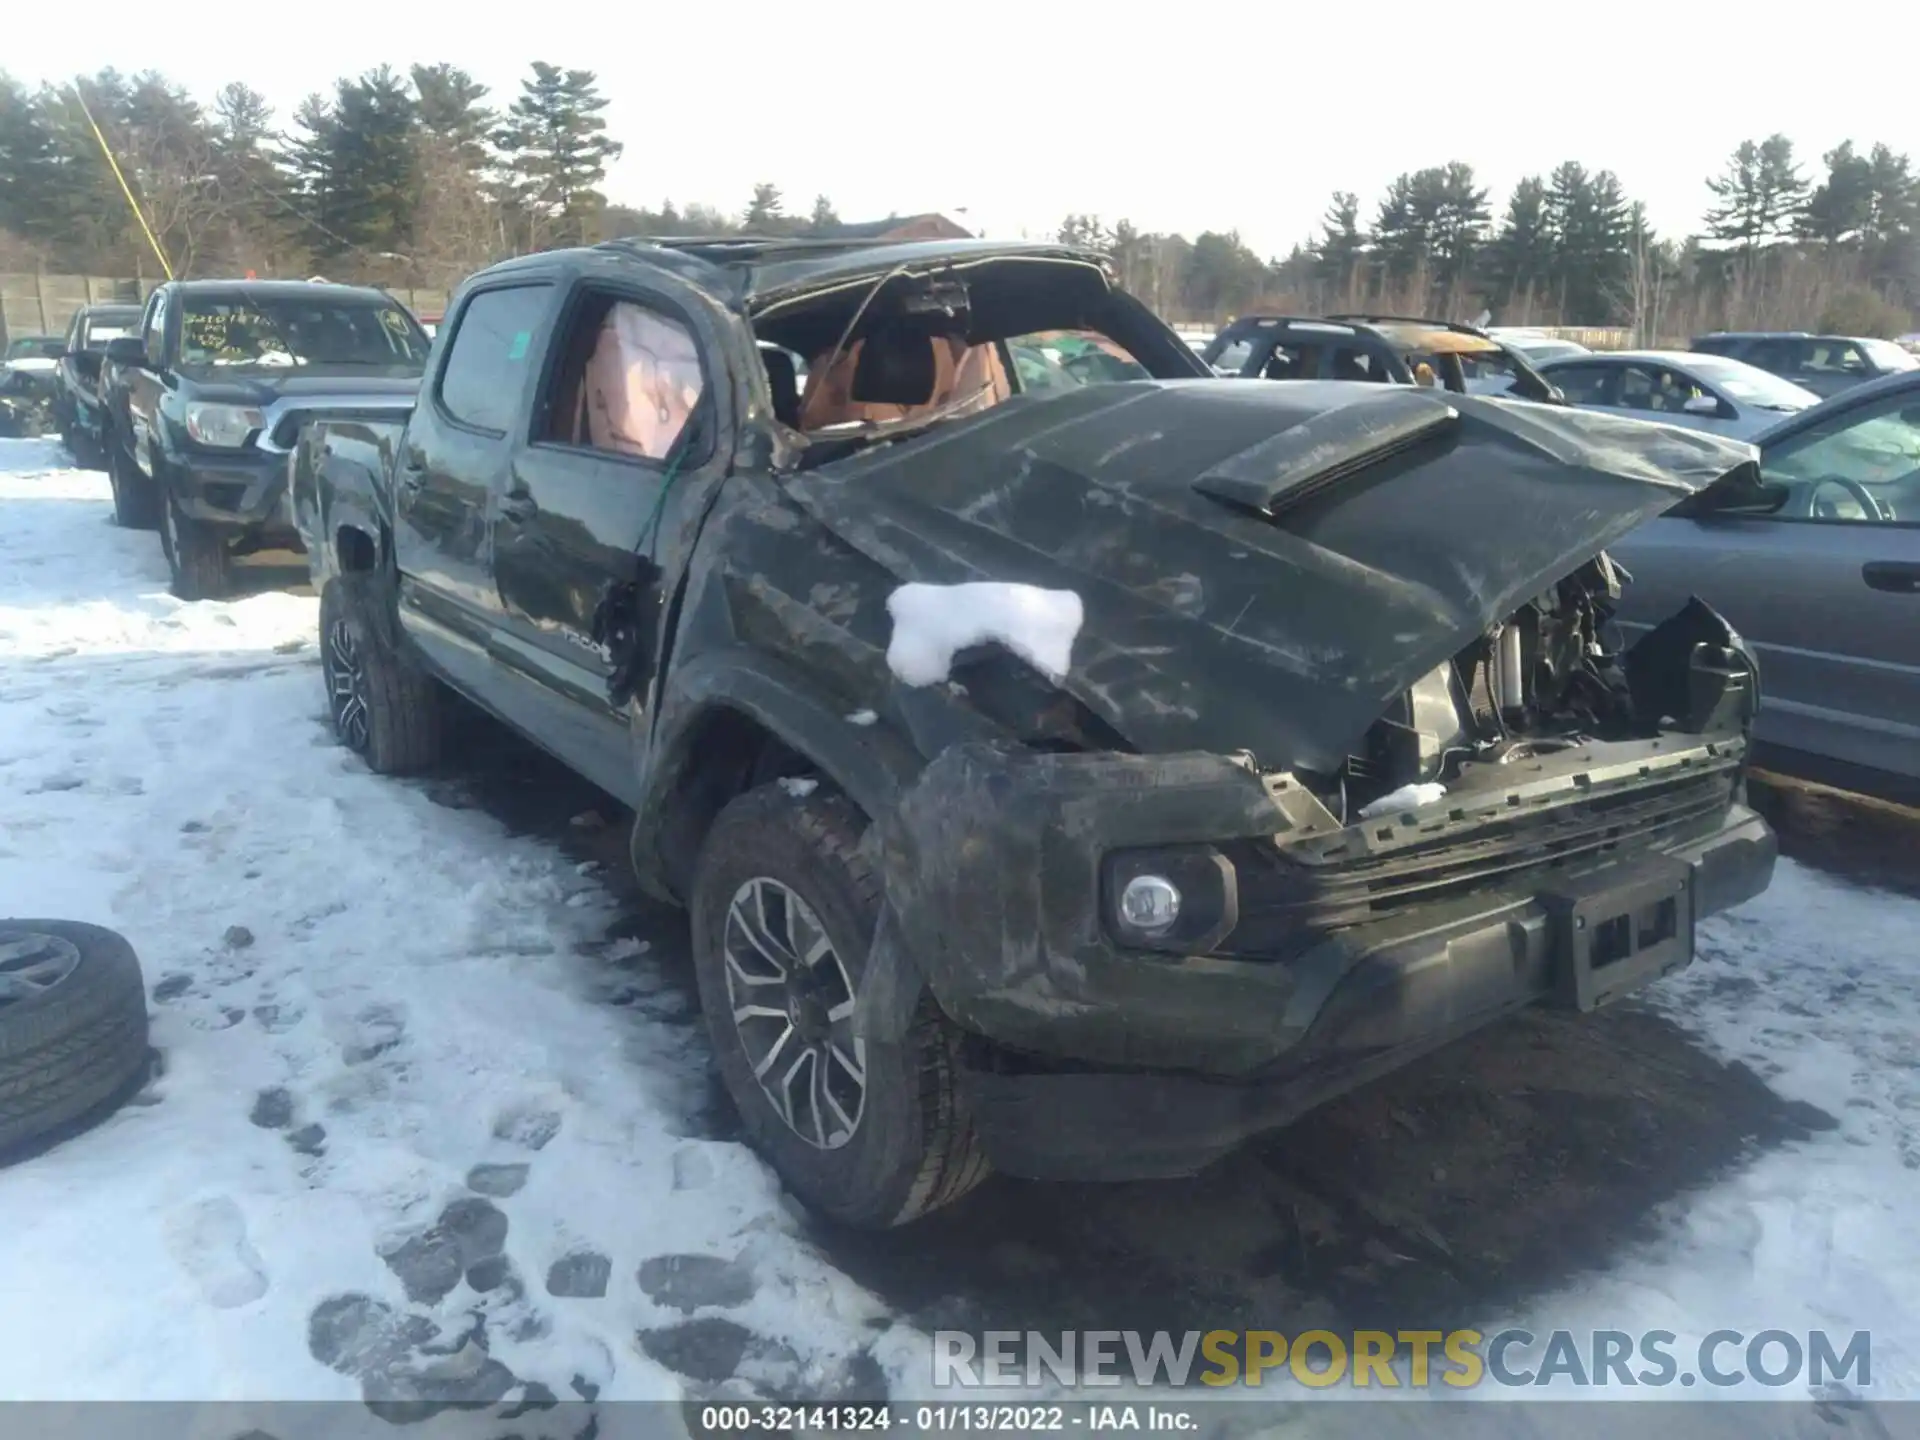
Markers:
{"x": 992, "y": 863}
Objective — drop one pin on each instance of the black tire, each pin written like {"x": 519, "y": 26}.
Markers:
{"x": 67, "y": 1050}
{"x": 196, "y": 554}
{"x": 135, "y": 498}
{"x": 912, "y": 1147}
{"x": 381, "y": 704}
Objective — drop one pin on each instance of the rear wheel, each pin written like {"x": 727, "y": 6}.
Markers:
{"x": 196, "y": 554}
{"x": 784, "y": 910}
{"x": 134, "y": 495}
{"x": 382, "y": 705}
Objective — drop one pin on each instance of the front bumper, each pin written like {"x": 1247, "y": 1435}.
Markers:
{"x": 244, "y": 491}
{"x": 1111, "y": 1062}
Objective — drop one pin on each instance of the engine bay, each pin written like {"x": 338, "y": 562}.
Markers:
{"x": 1552, "y": 678}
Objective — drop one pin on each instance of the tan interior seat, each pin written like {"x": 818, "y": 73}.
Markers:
{"x": 640, "y": 385}
{"x": 960, "y": 371}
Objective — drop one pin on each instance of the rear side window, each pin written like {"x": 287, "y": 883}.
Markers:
{"x": 486, "y": 368}
{"x": 1292, "y": 362}
{"x": 1782, "y": 357}
{"x": 1234, "y": 356}
{"x": 1349, "y": 363}
{"x": 1584, "y": 384}
{"x": 1834, "y": 357}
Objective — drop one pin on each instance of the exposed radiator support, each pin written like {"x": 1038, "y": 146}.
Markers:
{"x": 1509, "y": 676}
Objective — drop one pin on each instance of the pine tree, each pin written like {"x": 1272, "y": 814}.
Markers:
{"x": 1459, "y": 219}
{"x": 451, "y": 114}
{"x": 1403, "y": 227}
{"x": 456, "y": 220}
{"x": 376, "y": 170}
{"x": 1840, "y": 206}
{"x": 1759, "y": 196}
{"x": 1341, "y": 247}
{"x": 30, "y": 167}
{"x": 555, "y": 152}
{"x": 1521, "y": 257}
{"x": 764, "y": 213}
{"x": 825, "y": 219}
{"x": 260, "y": 223}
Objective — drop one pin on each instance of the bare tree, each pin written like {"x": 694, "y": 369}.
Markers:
{"x": 171, "y": 167}
{"x": 457, "y": 224}
{"x": 1642, "y": 294}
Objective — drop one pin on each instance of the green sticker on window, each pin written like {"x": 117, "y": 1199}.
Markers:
{"x": 518, "y": 350}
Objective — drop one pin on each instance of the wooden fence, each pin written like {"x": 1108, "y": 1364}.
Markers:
{"x": 41, "y": 304}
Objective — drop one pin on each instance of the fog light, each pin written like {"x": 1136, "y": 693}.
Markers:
{"x": 1150, "y": 904}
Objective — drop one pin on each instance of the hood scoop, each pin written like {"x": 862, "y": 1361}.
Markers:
{"x": 1326, "y": 449}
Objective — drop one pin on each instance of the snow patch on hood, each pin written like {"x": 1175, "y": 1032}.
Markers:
{"x": 933, "y": 623}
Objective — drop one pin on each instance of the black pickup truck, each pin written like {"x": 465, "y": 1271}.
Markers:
{"x": 79, "y": 412}
{"x": 1073, "y": 782}
{"x": 206, "y": 401}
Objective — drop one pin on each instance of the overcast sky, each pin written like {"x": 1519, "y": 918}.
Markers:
{"x": 1218, "y": 116}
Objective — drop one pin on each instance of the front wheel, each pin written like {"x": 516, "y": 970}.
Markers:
{"x": 196, "y": 554}
{"x": 382, "y": 706}
{"x": 784, "y": 911}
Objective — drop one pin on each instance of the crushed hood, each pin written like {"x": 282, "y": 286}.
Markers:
{"x": 1263, "y": 567}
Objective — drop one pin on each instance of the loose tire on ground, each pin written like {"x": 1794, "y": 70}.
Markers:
{"x": 70, "y": 1047}
{"x": 913, "y": 1148}
{"x": 196, "y": 554}
{"x": 381, "y": 704}
{"x": 135, "y": 501}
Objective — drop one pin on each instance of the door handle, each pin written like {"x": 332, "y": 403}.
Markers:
{"x": 1902, "y": 577}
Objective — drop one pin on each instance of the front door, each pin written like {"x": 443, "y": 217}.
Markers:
{"x": 624, "y": 423}
{"x": 451, "y": 464}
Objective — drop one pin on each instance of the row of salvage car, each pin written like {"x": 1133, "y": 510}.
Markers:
{"x": 1073, "y": 762}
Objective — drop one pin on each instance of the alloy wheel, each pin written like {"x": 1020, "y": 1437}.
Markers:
{"x": 32, "y": 963}
{"x": 792, "y": 1002}
{"x": 346, "y": 685}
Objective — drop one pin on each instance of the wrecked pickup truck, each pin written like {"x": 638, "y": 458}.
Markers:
{"x": 1072, "y": 783}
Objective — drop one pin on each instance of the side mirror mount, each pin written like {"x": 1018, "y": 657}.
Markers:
{"x": 1702, "y": 405}
{"x": 1744, "y": 491}
{"x": 127, "y": 350}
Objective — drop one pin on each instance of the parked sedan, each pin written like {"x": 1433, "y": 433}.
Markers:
{"x": 1819, "y": 569}
{"x": 1701, "y": 392}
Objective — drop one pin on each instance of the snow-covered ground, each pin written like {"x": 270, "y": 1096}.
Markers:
{"x": 380, "y": 1037}
{"x": 395, "y": 1106}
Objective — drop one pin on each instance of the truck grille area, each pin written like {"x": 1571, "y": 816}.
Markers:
{"x": 1287, "y": 901}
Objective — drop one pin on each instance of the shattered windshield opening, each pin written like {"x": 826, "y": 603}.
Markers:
{"x": 254, "y": 333}
{"x": 902, "y": 351}
{"x": 1066, "y": 359}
